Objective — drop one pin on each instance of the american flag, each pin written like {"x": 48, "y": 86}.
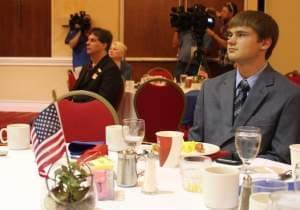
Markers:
{"x": 47, "y": 138}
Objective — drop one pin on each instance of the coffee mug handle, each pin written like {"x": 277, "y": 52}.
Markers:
{"x": 2, "y": 140}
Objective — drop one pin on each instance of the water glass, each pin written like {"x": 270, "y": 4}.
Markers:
{"x": 133, "y": 131}
{"x": 247, "y": 144}
{"x": 191, "y": 168}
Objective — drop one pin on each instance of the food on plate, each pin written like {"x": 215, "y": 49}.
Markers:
{"x": 192, "y": 146}
{"x": 199, "y": 147}
{"x": 187, "y": 147}
{"x": 154, "y": 148}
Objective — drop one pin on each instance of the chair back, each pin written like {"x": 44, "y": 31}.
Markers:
{"x": 294, "y": 76}
{"x": 159, "y": 71}
{"x": 85, "y": 121}
{"x": 161, "y": 103}
{"x": 71, "y": 80}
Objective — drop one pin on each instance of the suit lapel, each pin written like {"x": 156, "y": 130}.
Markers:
{"x": 255, "y": 97}
{"x": 226, "y": 98}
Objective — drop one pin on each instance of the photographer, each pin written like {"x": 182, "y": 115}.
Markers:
{"x": 220, "y": 37}
{"x": 190, "y": 39}
{"x": 76, "y": 38}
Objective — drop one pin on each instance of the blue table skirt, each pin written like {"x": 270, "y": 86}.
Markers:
{"x": 191, "y": 99}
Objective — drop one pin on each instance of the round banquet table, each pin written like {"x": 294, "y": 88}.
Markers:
{"x": 22, "y": 188}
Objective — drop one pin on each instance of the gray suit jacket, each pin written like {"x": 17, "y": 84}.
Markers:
{"x": 273, "y": 105}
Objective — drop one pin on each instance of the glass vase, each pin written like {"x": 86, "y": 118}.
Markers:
{"x": 69, "y": 187}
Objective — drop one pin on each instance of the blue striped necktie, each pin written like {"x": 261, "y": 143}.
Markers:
{"x": 240, "y": 98}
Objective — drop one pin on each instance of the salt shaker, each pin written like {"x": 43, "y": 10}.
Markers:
{"x": 245, "y": 193}
{"x": 150, "y": 183}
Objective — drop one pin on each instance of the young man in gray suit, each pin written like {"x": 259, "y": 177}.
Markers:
{"x": 269, "y": 100}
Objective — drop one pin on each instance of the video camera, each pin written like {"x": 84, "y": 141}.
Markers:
{"x": 195, "y": 18}
{"x": 80, "y": 21}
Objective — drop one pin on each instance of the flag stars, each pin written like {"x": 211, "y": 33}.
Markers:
{"x": 47, "y": 123}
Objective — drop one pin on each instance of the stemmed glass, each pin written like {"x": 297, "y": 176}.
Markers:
{"x": 247, "y": 143}
{"x": 133, "y": 131}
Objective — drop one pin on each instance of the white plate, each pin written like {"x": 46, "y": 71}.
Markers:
{"x": 209, "y": 149}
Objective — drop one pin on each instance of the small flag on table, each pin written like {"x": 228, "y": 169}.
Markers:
{"x": 47, "y": 138}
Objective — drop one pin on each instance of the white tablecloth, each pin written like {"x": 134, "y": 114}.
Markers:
{"x": 22, "y": 188}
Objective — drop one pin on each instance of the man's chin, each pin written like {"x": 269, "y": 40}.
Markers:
{"x": 232, "y": 58}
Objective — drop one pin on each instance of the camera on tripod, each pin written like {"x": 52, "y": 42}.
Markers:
{"x": 80, "y": 21}
{"x": 195, "y": 18}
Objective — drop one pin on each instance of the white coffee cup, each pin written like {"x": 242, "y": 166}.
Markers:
{"x": 295, "y": 156}
{"x": 220, "y": 187}
{"x": 259, "y": 201}
{"x": 169, "y": 143}
{"x": 18, "y": 136}
{"x": 114, "y": 138}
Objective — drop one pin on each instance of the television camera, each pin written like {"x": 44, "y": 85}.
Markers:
{"x": 195, "y": 19}
{"x": 81, "y": 21}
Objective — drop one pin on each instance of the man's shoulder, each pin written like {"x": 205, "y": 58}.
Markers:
{"x": 221, "y": 78}
{"x": 280, "y": 79}
{"x": 108, "y": 63}
{"x": 280, "y": 83}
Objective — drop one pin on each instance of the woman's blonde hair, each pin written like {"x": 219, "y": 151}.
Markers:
{"x": 120, "y": 46}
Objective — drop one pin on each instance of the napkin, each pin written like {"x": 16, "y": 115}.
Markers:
{"x": 95, "y": 152}
{"x": 219, "y": 154}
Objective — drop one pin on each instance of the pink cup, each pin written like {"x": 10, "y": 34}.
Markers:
{"x": 169, "y": 143}
{"x": 104, "y": 182}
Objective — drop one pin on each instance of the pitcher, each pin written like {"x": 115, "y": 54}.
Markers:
{"x": 126, "y": 171}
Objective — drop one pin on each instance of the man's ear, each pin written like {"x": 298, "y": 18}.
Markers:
{"x": 266, "y": 43}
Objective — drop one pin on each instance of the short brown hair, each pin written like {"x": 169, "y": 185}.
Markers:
{"x": 103, "y": 36}
{"x": 263, "y": 24}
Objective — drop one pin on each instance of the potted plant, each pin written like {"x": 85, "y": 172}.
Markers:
{"x": 70, "y": 187}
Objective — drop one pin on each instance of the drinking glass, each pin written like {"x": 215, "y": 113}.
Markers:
{"x": 247, "y": 143}
{"x": 191, "y": 168}
{"x": 284, "y": 201}
{"x": 133, "y": 131}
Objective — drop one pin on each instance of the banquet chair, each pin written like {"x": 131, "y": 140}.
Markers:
{"x": 71, "y": 79}
{"x": 159, "y": 71}
{"x": 161, "y": 103}
{"x": 85, "y": 121}
{"x": 294, "y": 76}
